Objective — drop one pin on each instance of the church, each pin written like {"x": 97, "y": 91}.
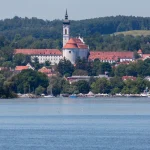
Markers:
{"x": 72, "y": 48}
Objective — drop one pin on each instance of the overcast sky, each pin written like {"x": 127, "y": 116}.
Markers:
{"x": 77, "y": 9}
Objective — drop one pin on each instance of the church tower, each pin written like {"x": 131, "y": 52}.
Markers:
{"x": 66, "y": 29}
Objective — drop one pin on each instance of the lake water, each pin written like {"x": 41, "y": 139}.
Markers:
{"x": 75, "y": 124}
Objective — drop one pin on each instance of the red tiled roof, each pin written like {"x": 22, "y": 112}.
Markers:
{"x": 110, "y": 55}
{"x": 45, "y": 70}
{"x": 38, "y": 51}
{"x": 145, "y": 56}
{"x": 75, "y": 43}
{"x": 20, "y": 68}
{"x": 128, "y": 77}
{"x": 71, "y": 44}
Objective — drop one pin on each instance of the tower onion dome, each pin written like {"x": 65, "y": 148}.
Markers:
{"x": 71, "y": 44}
{"x": 66, "y": 21}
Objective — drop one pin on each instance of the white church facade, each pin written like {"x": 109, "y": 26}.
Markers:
{"x": 75, "y": 48}
{"x": 72, "y": 48}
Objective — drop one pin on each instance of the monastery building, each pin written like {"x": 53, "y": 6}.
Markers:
{"x": 72, "y": 49}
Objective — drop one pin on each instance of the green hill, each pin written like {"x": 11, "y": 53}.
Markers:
{"x": 134, "y": 33}
{"x": 97, "y": 32}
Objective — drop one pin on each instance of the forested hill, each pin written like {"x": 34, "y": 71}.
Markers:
{"x": 52, "y": 29}
{"x": 38, "y": 33}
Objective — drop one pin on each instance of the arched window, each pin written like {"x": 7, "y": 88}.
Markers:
{"x": 65, "y": 31}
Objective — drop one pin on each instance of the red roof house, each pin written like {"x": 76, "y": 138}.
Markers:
{"x": 46, "y": 71}
{"x": 111, "y": 56}
{"x": 20, "y": 68}
{"x": 124, "y": 78}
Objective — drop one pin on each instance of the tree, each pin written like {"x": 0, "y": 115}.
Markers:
{"x": 131, "y": 70}
{"x": 36, "y": 63}
{"x": 120, "y": 70}
{"x": 65, "y": 67}
{"x": 82, "y": 86}
{"x": 21, "y": 59}
{"x": 28, "y": 80}
{"x": 116, "y": 84}
{"x": 101, "y": 85}
{"x": 79, "y": 72}
{"x": 39, "y": 90}
{"x": 105, "y": 67}
{"x": 81, "y": 64}
{"x": 57, "y": 84}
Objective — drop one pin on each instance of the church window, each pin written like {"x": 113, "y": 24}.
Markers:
{"x": 65, "y": 31}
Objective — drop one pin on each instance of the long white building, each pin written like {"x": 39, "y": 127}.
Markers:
{"x": 43, "y": 55}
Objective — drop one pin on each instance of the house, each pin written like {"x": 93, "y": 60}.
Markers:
{"x": 4, "y": 68}
{"x": 124, "y": 78}
{"x": 43, "y": 55}
{"x": 111, "y": 57}
{"x": 29, "y": 66}
{"x": 20, "y": 68}
{"x": 46, "y": 71}
{"x": 143, "y": 56}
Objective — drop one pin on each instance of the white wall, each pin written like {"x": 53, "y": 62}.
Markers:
{"x": 66, "y": 36}
{"x": 70, "y": 54}
{"x": 54, "y": 59}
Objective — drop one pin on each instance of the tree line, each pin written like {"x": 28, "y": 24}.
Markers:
{"x": 98, "y": 33}
{"x": 29, "y": 81}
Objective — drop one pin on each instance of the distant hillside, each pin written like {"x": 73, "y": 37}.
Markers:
{"x": 39, "y": 28}
{"x": 37, "y": 33}
{"x": 134, "y": 33}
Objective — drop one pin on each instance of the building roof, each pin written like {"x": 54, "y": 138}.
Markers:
{"x": 75, "y": 43}
{"x": 20, "y": 68}
{"x": 145, "y": 56}
{"x": 38, "y": 51}
{"x": 110, "y": 55}
{"x": 124, "y": 78}
{"x": 71, "y": 44}
{"x": 45, "y": 70}
{"x": 139, "y": 51}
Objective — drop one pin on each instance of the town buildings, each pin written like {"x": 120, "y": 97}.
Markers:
{"x": 143, "y": 56}
{"x": 47, "y": 71}
{"x": 20, "y": 68}
{"x": 43, "y": 55}
{"x": 111, "y": 57}
{"x": 74, "y": 48}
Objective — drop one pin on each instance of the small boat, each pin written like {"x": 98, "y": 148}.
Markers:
{"x": 73, "y": 96}
{"x": 49, "y": 96}
{"x": 143, "y": 95}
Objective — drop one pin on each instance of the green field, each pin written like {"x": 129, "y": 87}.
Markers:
{"x": 135, "y": 33}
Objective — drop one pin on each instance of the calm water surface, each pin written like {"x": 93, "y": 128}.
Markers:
{"x": 75, "y": 124}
